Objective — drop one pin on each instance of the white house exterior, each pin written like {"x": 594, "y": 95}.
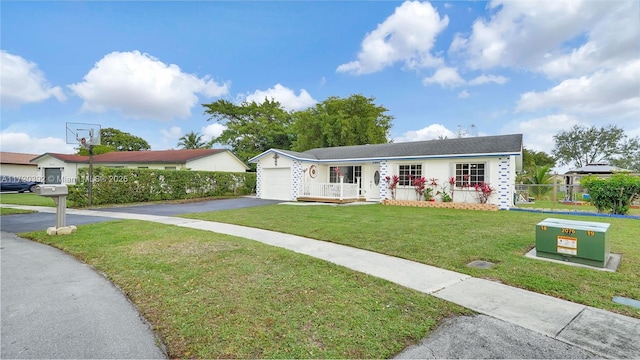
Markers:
{"x": 315, "y": 174}
{"x": 18, "y": 165}
{"x": 63, "y": 168}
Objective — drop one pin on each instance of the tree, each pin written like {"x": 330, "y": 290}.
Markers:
{"x": 122, "y": 141}
{"x": 193, "y": 140}
{"x": 532, "y": 159}
{"x": 632, "y": 159}
{"x": 356, "y": 120}
{"x": 582, "y": 145}
{"x": 252, "y": 128}
{"x": 539, "y": 178}
{"x": 97, "y": 150}
{"x": 115, "y": 140}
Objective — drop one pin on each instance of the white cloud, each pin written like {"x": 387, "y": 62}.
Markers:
{"x": 446, "y": 77}
{"x": 525, "y": 34}
{"x": 285, "y": 96}
{"x": 485, "y": 79}
{"x": 463, "y": 94}
{"x": 608, "y": 92}
{"x": 539, "y": 132}
{"x": 141, "y": 86}
{"x": 23, "y": 82}
{"x": 406, "y": 36}
{"x": 433, "y": 131}
{"x": 213, "y": 131}
{"x": 612, "y": 41}
{"x": 24, "y": 143}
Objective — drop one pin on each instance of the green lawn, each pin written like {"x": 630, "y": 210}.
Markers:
{"x": 210, "y": 295}
{"x": 26, "y": 199}
{"x": 549, "y": 204}
{"x": 451, "y": 239}
{"x": 216, "y": 296}
{"x": 8, "y": 211}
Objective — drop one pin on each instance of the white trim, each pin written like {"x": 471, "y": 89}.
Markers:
{"x": 407, "y": 158}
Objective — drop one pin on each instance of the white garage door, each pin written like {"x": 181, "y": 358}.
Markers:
{"x": 276, "y": 184}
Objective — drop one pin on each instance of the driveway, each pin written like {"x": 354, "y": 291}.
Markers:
{"x": 194, "y": 207}
{"x": 40, "y": 221}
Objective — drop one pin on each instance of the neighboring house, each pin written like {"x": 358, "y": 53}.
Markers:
{"x": 315, "y": 174}
{"x": 63, "y": 168}
{"x": 18, "y": 165}
{"x": 599, "y": 169}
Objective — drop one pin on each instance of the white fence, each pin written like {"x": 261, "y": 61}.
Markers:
{"x": 338, "y": 191}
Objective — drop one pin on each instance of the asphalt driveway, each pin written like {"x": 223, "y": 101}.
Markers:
{"x": 194, "y": 207}
{"x": 40, "y": 221}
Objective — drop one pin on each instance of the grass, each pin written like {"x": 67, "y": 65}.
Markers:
{"x": 549, "y": 204}
{"x": 210, "y": 295}
{"x": 26, "y": 199}
{"x": 8, "y": 211}
{"x": 450, "y": 239}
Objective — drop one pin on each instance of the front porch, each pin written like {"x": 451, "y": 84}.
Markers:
{"x": 339, "y": 193}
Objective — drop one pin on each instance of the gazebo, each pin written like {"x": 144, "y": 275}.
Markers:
{"x": 572, "y": 177}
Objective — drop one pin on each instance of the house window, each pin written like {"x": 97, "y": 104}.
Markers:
{"x": 143, "y": 167}
{"x": 408, "y": 172}
{"x": 469, "y": 174}
{"x": 350, "y": 173}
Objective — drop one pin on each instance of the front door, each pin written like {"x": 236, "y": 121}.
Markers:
{"x": 373, "y": 182}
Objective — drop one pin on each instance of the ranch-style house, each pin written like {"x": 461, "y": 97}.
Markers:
{"x": 352, "y": 173}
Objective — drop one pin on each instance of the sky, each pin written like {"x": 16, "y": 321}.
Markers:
{"x": 441, "y": 68}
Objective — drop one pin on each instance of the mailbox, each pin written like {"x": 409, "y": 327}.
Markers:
{"x": 581, "y": 242}
{"x": 51, "y": 190}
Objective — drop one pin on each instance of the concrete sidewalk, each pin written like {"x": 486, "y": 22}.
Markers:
{"x": 596, "y": 331}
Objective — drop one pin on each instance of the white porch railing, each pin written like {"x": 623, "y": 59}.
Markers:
{"x": 339, "y": 191}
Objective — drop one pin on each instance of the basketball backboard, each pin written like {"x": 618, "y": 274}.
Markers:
{"x": 83, "y": 134}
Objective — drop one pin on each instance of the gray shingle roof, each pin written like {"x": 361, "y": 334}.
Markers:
{"x": 596, "y": 169}
{"x": 500, "y": 144}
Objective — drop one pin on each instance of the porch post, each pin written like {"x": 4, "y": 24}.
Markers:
{"x": 341, "y": 187}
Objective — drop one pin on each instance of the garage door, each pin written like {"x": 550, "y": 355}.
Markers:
{"x": 276, "y": 184}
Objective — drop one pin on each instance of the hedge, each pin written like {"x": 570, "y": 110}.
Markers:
{"x": 120, "y": 186}
{"x": 612, "y": 194}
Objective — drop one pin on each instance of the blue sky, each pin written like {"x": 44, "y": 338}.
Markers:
{"x": 441, "y": 67}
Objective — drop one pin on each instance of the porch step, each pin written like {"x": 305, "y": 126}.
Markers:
{"x": 333, "y": 201}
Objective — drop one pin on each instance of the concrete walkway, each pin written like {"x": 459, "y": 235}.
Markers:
{"x": 599, "y": 332}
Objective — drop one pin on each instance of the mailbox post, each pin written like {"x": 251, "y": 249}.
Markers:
{"x": 59, "y": 194}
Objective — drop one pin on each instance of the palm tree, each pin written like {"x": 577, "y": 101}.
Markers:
{"x": 193, "y": 140}
{"x": 539, "y": 181}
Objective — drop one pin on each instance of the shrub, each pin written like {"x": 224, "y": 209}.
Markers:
{"x": 612, "y": 194}
{"x": 119, "y": 186}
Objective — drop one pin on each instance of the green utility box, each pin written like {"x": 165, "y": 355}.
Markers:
{"x": 580, "y": 242}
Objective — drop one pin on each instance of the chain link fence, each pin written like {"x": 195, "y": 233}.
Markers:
{"x": 529, "y": 193}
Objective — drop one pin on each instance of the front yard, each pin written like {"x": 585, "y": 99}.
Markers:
{"x": 210, "y": 295}
{"x": 216, "y": 296}
{"x": 450, "y": 239}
